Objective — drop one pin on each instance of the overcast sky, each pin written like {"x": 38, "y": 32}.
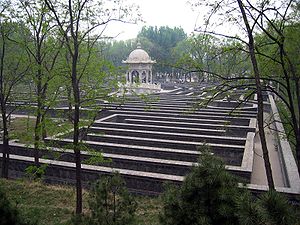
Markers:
{"x": 158, "y": 13}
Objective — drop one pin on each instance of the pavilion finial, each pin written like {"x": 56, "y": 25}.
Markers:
{"x": 138, "y": 44}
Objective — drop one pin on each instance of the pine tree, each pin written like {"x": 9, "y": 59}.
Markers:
{"x": 8, "y": 214}
{"x": 110, "y": 203}
{"x": 207, "y": 196}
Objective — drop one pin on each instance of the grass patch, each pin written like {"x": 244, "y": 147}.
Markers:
{"x": 54, "y": 204}
{"x": 23, "y": 128}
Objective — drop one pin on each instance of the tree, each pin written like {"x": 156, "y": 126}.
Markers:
{"x": 207, "y": 196}
{"x": 159, "y": 42}
{"x": 274, "y": 49}
{"x": 259, "y": 89}
{"x": 277, "y": 48}
{"x": 43, "y": 49}
{"x": 210, "y": 195}
{"x": 78, "y": 22}
{"x": 270, "y": 19}
{"x": 116, "y": 51}
{"x": 269, "y": 208}
{"x": 13, "y": 68}
{"x": 9, "y": 214}
{"x": 207, "y": 53}
{"x": 110, "y": 203}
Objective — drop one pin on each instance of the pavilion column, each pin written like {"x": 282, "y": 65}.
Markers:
{"x": 147, "y": 78}
{"x": 140, "y": 76}
{"x": 130, "y": 77}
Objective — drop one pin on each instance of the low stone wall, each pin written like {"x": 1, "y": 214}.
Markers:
{"x": 288, "y": 163}
{"x": 64, "y": 173}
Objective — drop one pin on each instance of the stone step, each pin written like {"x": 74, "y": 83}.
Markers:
{"x": 234, "y": 130}
{"x": 225, "y": 150}
{"x": 180, "y": 116}
{"x": 119, "y": 161}
{"x": 173, "y": 119}
{"x": 189, "y": 112}
{"x": 231, "y": 157}
{"x": 146, "y": 164}
{"x": 133, "y": 150}
{"x": 204, "y": 124}
{"x": 169, "y": 135}
{"x": 180, "y": 108}
{"x": 220, "y": 130}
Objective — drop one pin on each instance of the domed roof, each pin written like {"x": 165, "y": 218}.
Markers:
{"x": 139, "y": 56}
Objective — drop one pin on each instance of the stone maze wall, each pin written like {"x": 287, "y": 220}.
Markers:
{"x": 149, "y": 144}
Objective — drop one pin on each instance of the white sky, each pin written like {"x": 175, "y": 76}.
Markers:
{"x": 158, "y": 13}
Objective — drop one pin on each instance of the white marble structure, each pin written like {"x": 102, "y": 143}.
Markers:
{"x": 139, "y": 77}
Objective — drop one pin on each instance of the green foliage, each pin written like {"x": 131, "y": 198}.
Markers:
{"x": 269, "y": 208}
{"x": 23, "y": 128}
{"x": 36, "y": 172}
{"x": 8, "y": 214}
{"x": 210, "y": 195}
{"x": 276, "y": 209}
{"x": 212, "y": 58}
{"x": 163, "y": 36}
{"x": 110, "y": 203}
{"x": 248, "y": 212}
{"x": 13, "y": 66}
{"x": 117, "y": 51}
{"x": 53, "y": 204}
{"x": 207, "y": 196}
{"x": 159, "y": 43}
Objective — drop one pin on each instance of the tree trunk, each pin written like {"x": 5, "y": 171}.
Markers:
{"x": 76, "y": 95}
{"x": 298, "y": 150}
{"x": 5, "y": 145}
{"x": 260, "y": 113}
{"x": 77, "y": 152}
{"x": 44, "y": 130}
{"x": 37, "y": 128}
{"x": 39, "y": 76}
{"x": 70, "y": 117}
{"x": 77, "y": 149}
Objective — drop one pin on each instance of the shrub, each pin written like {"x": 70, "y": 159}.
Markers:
{"x": 8, "y": 214}
{"x": 110, "y": 203}
{"x": 210, "y": 196}
{"x": 207, "y": 196}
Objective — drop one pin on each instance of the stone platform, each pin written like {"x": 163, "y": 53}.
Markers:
{"x": 159, "y": 141}
{"x": 150, "y": 144}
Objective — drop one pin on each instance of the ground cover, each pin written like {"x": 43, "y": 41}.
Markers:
{"x": 22, "y": 128}
{"x": 54, "y": 204}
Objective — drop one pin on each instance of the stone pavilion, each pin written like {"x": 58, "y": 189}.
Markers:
{"x": 139, "y": 77}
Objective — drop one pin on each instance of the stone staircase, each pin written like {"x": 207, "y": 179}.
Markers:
{"x": 149, "y": 144}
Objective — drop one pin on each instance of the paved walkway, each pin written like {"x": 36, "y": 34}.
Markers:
{"x": 259, "y": 172}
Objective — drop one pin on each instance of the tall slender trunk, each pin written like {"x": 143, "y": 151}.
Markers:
{"x": 298, "y": 150}
{"x": 70, "y": 117}
{"x": 44, "y": 130}
{"x": 77, "y": 158}
{"x": 39, "y": 77}
{"x": 76, "y": 95}
{"x": 260, "y": 114}
{"x": 37, "y": 128}
{"x": 5, "y": 145}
